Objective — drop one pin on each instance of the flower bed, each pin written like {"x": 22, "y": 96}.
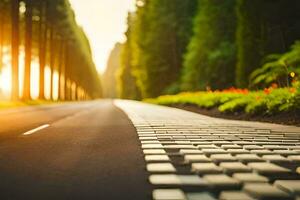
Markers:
{"x": 271, "y": 100}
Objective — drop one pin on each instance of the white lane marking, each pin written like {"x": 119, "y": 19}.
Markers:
{"x": 36, "y": 129}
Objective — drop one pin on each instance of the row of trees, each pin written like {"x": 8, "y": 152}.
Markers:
{"x": 175, "y": 45}
{"x": 47, "y": 31}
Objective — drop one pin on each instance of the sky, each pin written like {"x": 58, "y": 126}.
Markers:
{"x": 104, "y": 22}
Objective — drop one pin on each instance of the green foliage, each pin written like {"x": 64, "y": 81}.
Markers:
{"x": 202, "y": 99}
{"x": 270, "y": 101}
{"x": 277, "y": 69}
{"x": 234, "y": 105}
{"x": 161, "y": 31}
{"x": 263, "y": 28}
{"x": 211, "y": 51}
{"x": 126, "y": 82}
{"x": 192, "y": 45}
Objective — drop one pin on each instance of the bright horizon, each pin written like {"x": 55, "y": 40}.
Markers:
{"x": 104, "y": 22}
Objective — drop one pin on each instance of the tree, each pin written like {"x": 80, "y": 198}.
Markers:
{"x": 28, "y": 50}
{"x": 43, "y": 32}
{"x": 210, "y": 58}
{"x": 126, "y": 82}
{"x": 50, "y": 31}
{"x": 109, "y": 77}
{"x": 162, "y": 31}
{"x": 15, "y": 49}
{"x": 263, "y": 27}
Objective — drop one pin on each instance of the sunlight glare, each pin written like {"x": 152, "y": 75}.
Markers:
{"x": 47, "y": 82}
{"x": 21, "y": 71}
{"x": 5, "y": 76}
{"x": 5, "y": 81}
{"x": 55, "y": 85}
{"x": 35, "y": 74}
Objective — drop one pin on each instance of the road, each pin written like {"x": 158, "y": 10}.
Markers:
{"x": 87, "y": 150}
{"x": 129, "y": 150}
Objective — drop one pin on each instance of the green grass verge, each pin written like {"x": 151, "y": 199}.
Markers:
{"x": 268, "y": 101}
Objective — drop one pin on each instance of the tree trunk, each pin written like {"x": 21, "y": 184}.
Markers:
{"x": 15, "y": 49}
{"x": 43, "y": 30}
{"x": 65, "y": 72}
{"x": 76, "y": 92}
{"x": 60, "y": 68}
{"x": 52, "y": 60}
{"x": 28, "y": 44}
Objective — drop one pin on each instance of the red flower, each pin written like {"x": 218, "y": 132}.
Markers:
{"x": 274, "y": 85}
{"x": 292, "y": 90}
{"x": 267, "y": 90}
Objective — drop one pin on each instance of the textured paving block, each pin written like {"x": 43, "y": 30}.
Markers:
{"x": 168, "y": 194}
{"x": 250, "y": 178}
{"x": 148, "y": 138}
{"x": 172, "y": 179}
{"x": 154, "y": 151}
{"x": 231, "y": 146}
{"x": 251, "y": 147}
{"x": 294, "y": 158}
{"x": 179, "y": 146}
{"x": 266, "y": 191}
{"x": 207, "y": 146}
{"x": 196, "y": 158}
{"x": 200, "y": 196}
{"x": 237, "y": 151}
{"x": 206, "y": 168}
{"x": 274, "y": 147}
{"x": 160, "y": 167}
{"x": 268, "y": 168}
{"x": 156, "y": 158}
{"x": 248, "y": 158}
{"x": 286, "y": 152}
{"x": 276, "y": 158}
{"x": 262, "y": 152}
{"x": 235, "y": 195}
{"x": 292, "y": 186}
{"x": 222, "y": 158}
{"x": 221, "y": 180}
{"x": 150, "y": 142}
{"x": 182, "y": 142}
{"x": 152, "y": 146}
{"x": 190, "y": 151}
{"x": 232, "y": 167}
{"x": 213, "y": 151}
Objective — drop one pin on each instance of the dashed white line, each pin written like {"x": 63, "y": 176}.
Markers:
{"x": 36, "y": 129}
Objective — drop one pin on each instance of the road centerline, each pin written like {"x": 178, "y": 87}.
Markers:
{"x": 36, "y": 129}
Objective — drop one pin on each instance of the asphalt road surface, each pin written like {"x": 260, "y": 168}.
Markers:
{"x": 87, "y": 150}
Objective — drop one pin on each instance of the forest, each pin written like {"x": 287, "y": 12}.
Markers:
{"x": 176, "y": 46}
{"x": 44, "y": 33}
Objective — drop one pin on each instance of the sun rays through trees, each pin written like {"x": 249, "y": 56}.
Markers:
{"x": 44, "y": 53}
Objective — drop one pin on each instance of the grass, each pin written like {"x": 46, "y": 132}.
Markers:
{"x": 271, "y": 100}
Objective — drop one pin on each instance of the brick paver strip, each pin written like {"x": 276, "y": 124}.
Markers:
{"x": 200, "y": 157}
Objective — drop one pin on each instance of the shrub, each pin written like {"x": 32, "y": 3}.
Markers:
{"x": 271, "y": 100}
